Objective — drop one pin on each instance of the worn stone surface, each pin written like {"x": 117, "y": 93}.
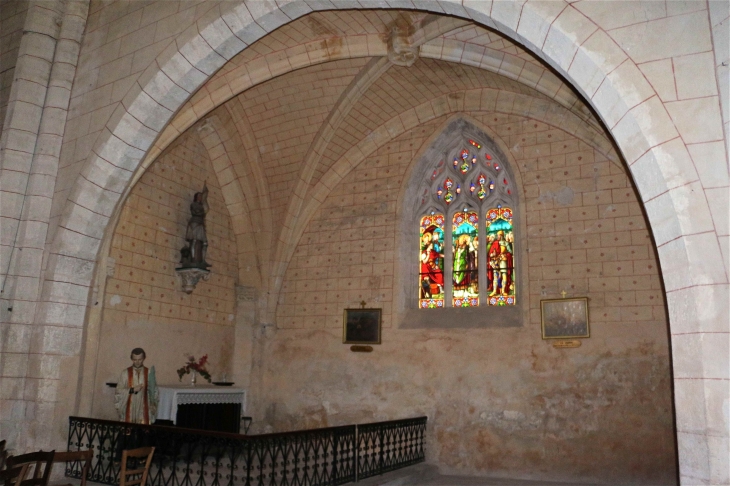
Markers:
{"x": 500, "y": 401}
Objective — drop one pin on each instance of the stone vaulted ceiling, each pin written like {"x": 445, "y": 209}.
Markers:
{"x": 285, "y": 119}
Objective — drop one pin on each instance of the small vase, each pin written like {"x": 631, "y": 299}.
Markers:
{"x": 193, "y": 378}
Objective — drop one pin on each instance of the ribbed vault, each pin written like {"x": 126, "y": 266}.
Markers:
{"x": 281, "y": 134}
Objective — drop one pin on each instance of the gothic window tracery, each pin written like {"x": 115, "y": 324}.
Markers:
{"x": 467, "y": 199}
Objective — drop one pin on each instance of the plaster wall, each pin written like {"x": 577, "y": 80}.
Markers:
{"x": 144, "y": 304}
{"x": 500, "y": 401}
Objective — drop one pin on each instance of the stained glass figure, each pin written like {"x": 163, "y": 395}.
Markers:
{"x": 501, "y": 286}
{"x": 431, "y": 261}
{"x": 465, "y": 271}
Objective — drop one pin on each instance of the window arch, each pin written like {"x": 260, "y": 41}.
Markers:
{"x": 465, "y": 217}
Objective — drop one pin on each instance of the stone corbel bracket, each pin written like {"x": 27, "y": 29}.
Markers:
{"x": 191, "y": 276}
{"x": 401, "y": 49}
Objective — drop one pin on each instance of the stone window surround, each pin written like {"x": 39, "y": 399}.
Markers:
{"x": 407, "y": 314}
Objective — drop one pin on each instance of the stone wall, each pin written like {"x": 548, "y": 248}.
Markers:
{"x": 144, "y": 304}
{"x": 12, "y": 17}
{"x": 500, "y": 401}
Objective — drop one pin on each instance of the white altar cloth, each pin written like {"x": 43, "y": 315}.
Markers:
{"x": 172, "y": 396}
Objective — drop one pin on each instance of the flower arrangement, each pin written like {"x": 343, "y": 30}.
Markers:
{"x": 192, "y": 365}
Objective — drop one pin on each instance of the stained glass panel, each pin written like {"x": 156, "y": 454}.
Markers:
{"x": 448, "y": 185}
{"x": 500, "y": 254}
{"x": 465, "y": 244}
{"x": 431, "y": 260}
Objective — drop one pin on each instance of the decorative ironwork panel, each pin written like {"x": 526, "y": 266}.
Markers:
{"x": 387, "y": 446}
{"x": 187, "y": 457}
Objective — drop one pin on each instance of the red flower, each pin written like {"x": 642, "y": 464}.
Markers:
{"x": 198, "y": 367}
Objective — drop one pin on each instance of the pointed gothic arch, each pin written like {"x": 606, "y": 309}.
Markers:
{"x": 643, "y": 130}
{"x": 467, "y": 282}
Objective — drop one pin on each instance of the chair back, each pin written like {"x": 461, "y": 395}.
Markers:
{"x": 138, "y": 476}
{"x": 40, "y": 461}
{"x": 12, "y": 476}
{"x": 3, "y": 454}
{"x": 84, "y": 457}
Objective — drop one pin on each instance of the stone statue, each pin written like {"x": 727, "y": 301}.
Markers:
{"x": 193, "y": 255}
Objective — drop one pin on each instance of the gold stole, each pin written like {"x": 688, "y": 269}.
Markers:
{"x": 130, "y": 384}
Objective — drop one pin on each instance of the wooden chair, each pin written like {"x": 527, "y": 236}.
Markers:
{"x": 84, "y": 457}
{"x": 142, "y": 454}
{"x": 41, "y": 462}
{"x": 13, "y": 475}
{"x": 3, "y": 454}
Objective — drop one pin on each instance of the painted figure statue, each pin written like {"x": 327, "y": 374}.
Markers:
{"x": 136, "y": 395}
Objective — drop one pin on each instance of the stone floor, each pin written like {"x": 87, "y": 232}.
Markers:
{"x": 428, "y": 475}
{"x": 423, "y": 475}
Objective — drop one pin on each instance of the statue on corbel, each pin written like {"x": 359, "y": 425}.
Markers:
{"x": 193, "y": 266}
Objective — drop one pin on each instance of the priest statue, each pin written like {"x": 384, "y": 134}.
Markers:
{"x": 136, "y": 397}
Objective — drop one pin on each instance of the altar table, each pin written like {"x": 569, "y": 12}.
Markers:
{"x": 206, "y": 407}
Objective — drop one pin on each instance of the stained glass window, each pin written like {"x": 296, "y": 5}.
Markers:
{"x": 463, "y": 185}
{"x": 500, "y": 257}
{"x": 465, "y": 269}
{"x": 431, "y": 262}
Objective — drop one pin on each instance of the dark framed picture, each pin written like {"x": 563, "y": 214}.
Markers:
{"x": 565, "y": 318}
{"x": 361, "y": 326}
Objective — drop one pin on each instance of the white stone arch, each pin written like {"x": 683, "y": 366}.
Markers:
{"x": 558, "y": 33}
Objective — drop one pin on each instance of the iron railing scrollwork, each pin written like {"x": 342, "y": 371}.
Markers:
{"x": 188, "y": 457}
{"x": 387, "y": 446}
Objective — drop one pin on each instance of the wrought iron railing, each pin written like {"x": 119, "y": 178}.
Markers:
{"x": 387, "y": 446}
{"x": 188, "y": 457}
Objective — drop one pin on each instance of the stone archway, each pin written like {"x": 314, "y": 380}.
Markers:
{"x": 576, "y": 47}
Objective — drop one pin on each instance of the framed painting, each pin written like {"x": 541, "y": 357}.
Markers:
{"x": 361, "y": 326}
{"x": 565, "y": 318}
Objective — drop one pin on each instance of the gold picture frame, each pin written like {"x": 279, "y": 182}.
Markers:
{"x": 361, "y": 326}
{"x": 565, "y": 318}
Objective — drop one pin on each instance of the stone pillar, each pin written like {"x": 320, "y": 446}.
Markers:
{"x": 30, "y": 354}
{"x": 245, "y": 320}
